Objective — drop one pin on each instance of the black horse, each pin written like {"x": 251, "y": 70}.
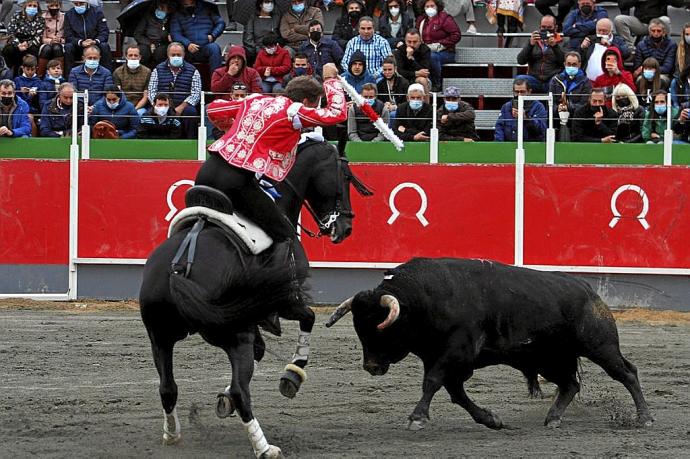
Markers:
{"x": 224, "y": 291}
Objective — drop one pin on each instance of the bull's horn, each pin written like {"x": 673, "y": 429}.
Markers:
{"x": 390, "y": 302}
{"x": 340, "y": 311}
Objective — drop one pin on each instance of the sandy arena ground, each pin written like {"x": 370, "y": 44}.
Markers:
{"x": 77, "y": 380}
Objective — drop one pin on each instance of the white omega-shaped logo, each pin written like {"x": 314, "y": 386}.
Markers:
{"x": 645, "y": 205}
{"x": 422, "y": 207}
{"x": 171, "y": 190}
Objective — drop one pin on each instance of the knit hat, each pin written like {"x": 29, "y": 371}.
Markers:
{"x": 451, "y": 91}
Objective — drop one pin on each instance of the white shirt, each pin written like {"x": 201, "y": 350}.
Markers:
{"x": 594, "y": 62}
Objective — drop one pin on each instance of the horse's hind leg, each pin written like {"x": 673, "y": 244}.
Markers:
{"x": 294, "y": 374}
{"x": 241, "y": 353}
{"x": 163, "y": 357}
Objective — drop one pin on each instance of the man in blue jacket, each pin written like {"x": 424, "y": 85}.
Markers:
{"x": 115, "y": 107}
{"x": 85, "y": 26}
{"x": 56, "y": 117}
{"x": 657, "y": 45}
{"x": 581, "y": 22}
{"x": 91, "y": 75}
{"x": 319, "y": 49}
{"x": 197, "y": 25}
{"x": 535, "y": 117}
{"x": 14, "y": 112}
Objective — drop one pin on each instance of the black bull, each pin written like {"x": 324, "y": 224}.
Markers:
{"x": 460, "y": 315}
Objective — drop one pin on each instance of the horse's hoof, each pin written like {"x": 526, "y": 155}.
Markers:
{"x": 171, "y": 439}
{"x": 553, "y": 423}
{"x": 645, "y": 420}
{"x": 273, "y": 452}
{"x": 291, "y": 380}
{"x": 225, "y": 406}
{"x": 417, "y": 424}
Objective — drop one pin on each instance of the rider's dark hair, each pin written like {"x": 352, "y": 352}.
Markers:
{"x": 303, "y": 87}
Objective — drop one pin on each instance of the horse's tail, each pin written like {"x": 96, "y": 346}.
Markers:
{"x": 247, "y": 297}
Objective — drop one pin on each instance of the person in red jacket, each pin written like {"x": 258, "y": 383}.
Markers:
{"x": 440, "y": 33}
{"x": 273, "y": 63}
{"x": 614, "y": 73}
{"x": 235, "y": 70}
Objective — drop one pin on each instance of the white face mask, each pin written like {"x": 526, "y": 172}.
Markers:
{"x": 160, "y": 110}
{"x": 267, "y": 7}
{"x": 687, "y": 39}
{"x": 133, "y": 63}
{"x": 431, "y": 12}
{"x": 394, "y": 11}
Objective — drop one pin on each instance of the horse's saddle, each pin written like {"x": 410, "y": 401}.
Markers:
{"x": 216, "y": 207}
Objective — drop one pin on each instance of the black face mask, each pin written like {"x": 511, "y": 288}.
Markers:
{"x": 7, "y": 101}
{"x": 189, "y": 9}
{"x": 586, "y": 10}
{"x": 657, "y": 39}
{"x": 354, "y": 15}
{"x": 53, "y": 11}
{"x": 623, "y": 102}
{"x": 315, "y": 35}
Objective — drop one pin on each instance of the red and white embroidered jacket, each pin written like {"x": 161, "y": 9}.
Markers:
{"x": 263, "y": 138}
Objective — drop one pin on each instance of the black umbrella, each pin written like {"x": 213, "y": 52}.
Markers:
{"x": 132, "y": 13}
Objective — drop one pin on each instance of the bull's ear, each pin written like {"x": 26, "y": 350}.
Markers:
{"x": 364, "y": 299}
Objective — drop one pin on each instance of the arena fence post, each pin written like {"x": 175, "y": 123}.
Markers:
{"x": 668, "y": 133}
{"x": 519, "y": 183}
{"x": 85, "y": 129}
{"x": 433, "y": 135}
{"x": 201, "y": 137}
{"x": 550, "y": 134}
{"x": 74, "y": 199}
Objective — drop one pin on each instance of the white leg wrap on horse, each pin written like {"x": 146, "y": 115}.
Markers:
{"x": 302, "y": 352}
{"x": 256, "y": 437}
{"x": 171, "y": 426}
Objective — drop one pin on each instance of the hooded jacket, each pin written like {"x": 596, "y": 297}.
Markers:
{"x": 364, "y": 77}
{"x": 92, "y": 24}
{"x": 221, "y": 81}
{"x": 576, "y": 90}
{"x": 610, "y": 81}
{"x": 196, "y": 27}
{"x": 280, "y": 63}
{"x": 124, "y": 116}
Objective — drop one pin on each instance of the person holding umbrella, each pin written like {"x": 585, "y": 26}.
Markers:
{"x": 152, "y": 31}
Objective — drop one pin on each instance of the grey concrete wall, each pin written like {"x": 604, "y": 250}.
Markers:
{"x": 329, "y": 285}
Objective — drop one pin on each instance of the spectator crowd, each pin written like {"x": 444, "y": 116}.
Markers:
{"x": 609, "y": 79}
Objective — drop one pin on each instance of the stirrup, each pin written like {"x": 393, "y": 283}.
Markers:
{"x": 206, "y": 196}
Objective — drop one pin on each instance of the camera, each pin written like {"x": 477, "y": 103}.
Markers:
{"x": 545, "y": 35}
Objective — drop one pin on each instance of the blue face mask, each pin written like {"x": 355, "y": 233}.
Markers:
{"x": 91, "y": 64}
{"x": 80, "y": 9}
{"x": 298, "y": 8}
{"x": 160, "y": 14}
{"x": 371, "y": 101}
{"x": 31, "y": 11}
{"x": 299, "y": 71}
{"x": 176, "y": 61}
{"x": 571, "y": 71}
{"x": 660, "y": 109}
{"x": 648, "y": 74}
{"x": 112, "y": 105}
{"x": 451, "y": 106}
{"x": 416, "y": 104}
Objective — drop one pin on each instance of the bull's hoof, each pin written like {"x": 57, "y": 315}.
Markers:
{"x": 553, "y": 423}
{"x": 291, "y": 380}
{"x": 417, "y": 424}
{"x": 171, "y": 438}
{"x": 225, "y": 406}
{"x": 645, "y": 420}
{"x": 273, "y": 452}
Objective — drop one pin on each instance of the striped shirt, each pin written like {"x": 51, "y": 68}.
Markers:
{"x": 195, "y": 94}
{"x": 375, "y": 51}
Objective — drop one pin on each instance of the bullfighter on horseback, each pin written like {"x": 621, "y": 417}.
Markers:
{"x": 262, "y": 140}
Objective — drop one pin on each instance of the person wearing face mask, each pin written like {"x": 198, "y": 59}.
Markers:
{"x": 440, "y": 32}
{"x": 152, "y": 33}
{"x": 235, "y": 70}
{"x": 630, "y": 114}
{"x": 115, "y": 108}
{"x": 535, "y": 116}
{"x": 359, "y": 126}
{"x": 455, "y": 118}
{"x": 272, "y": 64}
{"x": 91, "y": 75}
{"x": 51, "y": 82}
{"x": 265, "y": 20}
{"x": 160, "y": 122}
{"x": 294, "y": 25}
{"x": 320, "y": 50}
{"x": 133, "y": 79}
{"x": 25, "y": 31}
{"x": 594, "y": 121}
{"x": 570, "y": 88}
{"x": 592, "y": 48}
{"x": 683, "y": 53}
{"x": 85, "y": 25}
{"x": 413, "y": 117}
{"x": 14, "y": 112}
{"x": 645, "y": 11}
{"x": 347, "y": 25}
{"x": 394, "y": 23}
{"x": 53, "y": 39}
{"x": 581, "y": 22}
{"x": 300, "y": 67}
{"x": 654, "y": 123}
{"x": 197, "y": 25}
{"x": 650, "y": 81}
{"x": 658, "y": 46}
{"x": 56, "y": 117}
